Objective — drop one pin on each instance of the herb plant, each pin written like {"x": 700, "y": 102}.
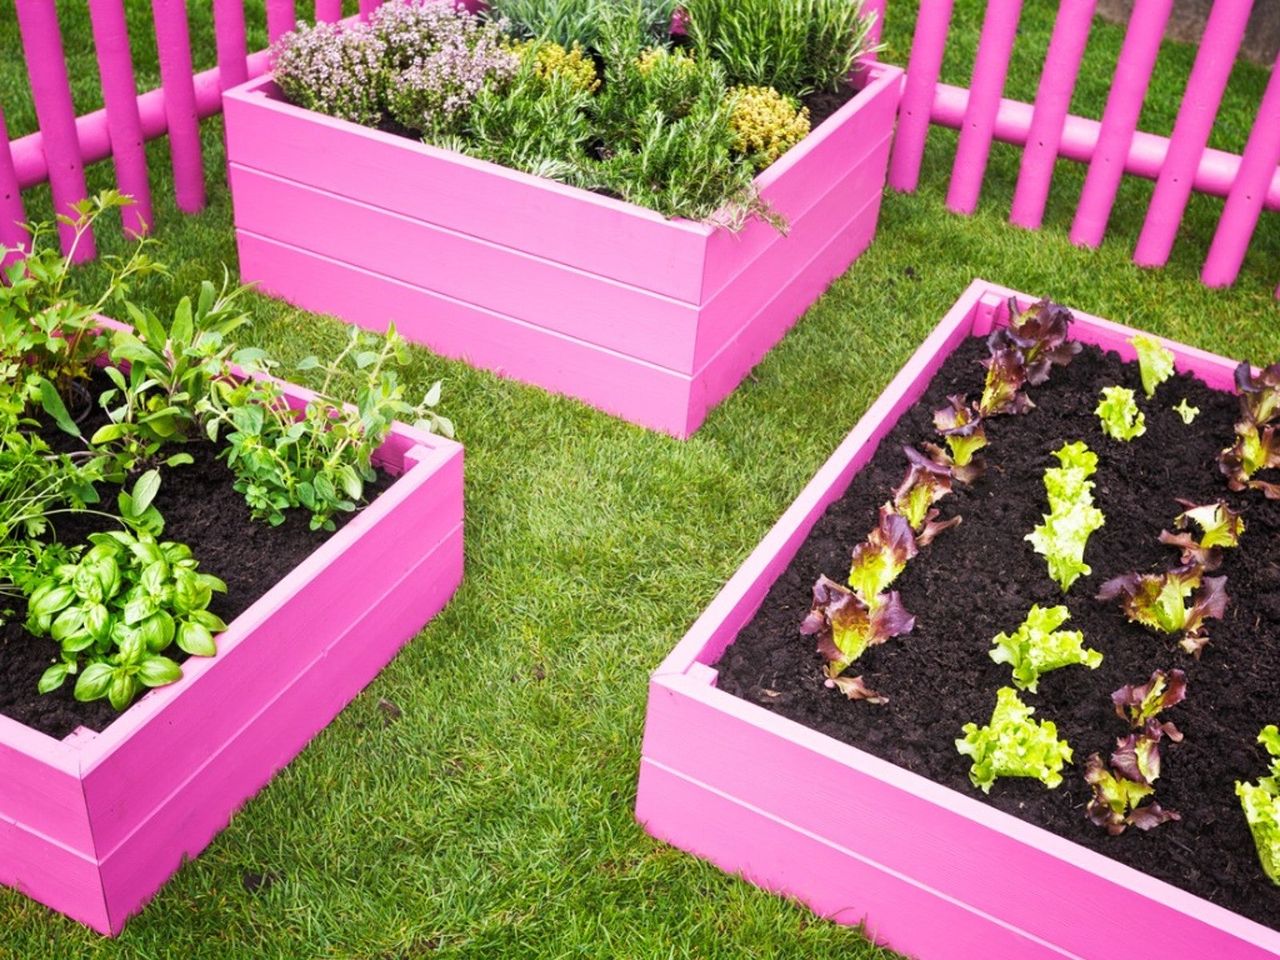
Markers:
{"x": 1023, "y": 354}
{"x": 1013, "y": 745}
{"x": 1062, "y": 537}
{"x": 569, "y": 22}
{"x": 963, "y": 430}
{"x": 1155, "y": 362}
{"x": 1038, "y": 646}
{"x": 765, "y": 124}
{"x": 319, "y": 458}
{"x": 794, "y": 46}
{"x": 1120, "y": 789}
{"x": 1261, "y": 804}
{"x": 926, "y": 482}
{"x": 1119, "y": 414}
{"x": 879, "y": 559}
{"x": 116, "y": 609}
{"x": 846, "y": 627}
{"x": 1159, "y": 601}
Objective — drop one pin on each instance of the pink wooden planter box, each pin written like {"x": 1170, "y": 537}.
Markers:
{"x": 933, "y": 872}
{"x": 651, "y": 319}
{"x": 94, "y": 824}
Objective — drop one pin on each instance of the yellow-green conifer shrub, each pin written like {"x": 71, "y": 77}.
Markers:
{"x": 766, "y": 123}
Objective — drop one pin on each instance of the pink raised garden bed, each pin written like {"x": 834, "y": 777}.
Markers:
{"x": 651, "y": 319}
{"x": 93, "y": 825}
{"x": 933, "y": 872}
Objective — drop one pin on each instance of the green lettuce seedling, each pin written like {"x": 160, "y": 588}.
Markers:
{"x": 1261, "y": 803}
{"x": 1257, "y": 445}
{"x": 1155, "y": 362}
{"x": 1186, "y": 411}
{"x": 926, "y": 482}
{"x": 846, "y": 627}
{"x": 1158, "y": 601}
{"x": 1013, "y": 745}
{"x": 1038, "y": 646}
{"x": 1062, "y": 537}
{"x": 1121, "y": 419}
{"x": 963, "y": 430}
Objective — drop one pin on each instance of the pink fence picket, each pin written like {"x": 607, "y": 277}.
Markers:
{"x": 918, "y": 93}
{"x": 1222, "y": 36}
{"x": 12, "y": 215}
{"x": 281, "y": 18}
{"x": 42, "y": 44}
{"x": 173, "y": 43}
{"x": 120, "y": 94}
{"x": 989, "y": 70}
{"x": 1057, "y": 82}
{"x": 327, "y": 11}
{"x": 228, "y": 25}
{"x": 1120, "y": 119}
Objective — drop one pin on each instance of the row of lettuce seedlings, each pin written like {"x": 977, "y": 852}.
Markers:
{"x": 849, "y": 620}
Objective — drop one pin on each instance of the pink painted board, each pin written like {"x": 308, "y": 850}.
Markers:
{"x": 1223, "y": 34}
{"x": 12, "y": 214}
{"x": 112, "y": 822}
{"x": 653, "y": 396}
{"x": 927, "y": 47}
{"x": 328, "y": 11}
{"x": 51, "y": 92}
{"x": 1244, "y": 202}
{"x": 512, "y": 209}
{"x": 1053, "y": 98}
{"x": 995, "y": 45}
{"x": 120, "y": 95}
{"x": 229, "y": 37}
{"x": 173, "y": 46}
{"x": 94, "y": 135}
{"x": 754, "y": 791}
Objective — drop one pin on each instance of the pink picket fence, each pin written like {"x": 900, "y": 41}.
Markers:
{"x": 1113, "y": 147}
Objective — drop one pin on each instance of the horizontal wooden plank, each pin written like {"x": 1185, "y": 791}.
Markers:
{"x": 551, "y": 220}
{"x": 264, "y": 650}
{"x": 834, "y": 882}
{"x": 1081, "y": 902}
{"x": 40, "y": 787}
{"x": 190, "y": 818}
{"x": 804, "y": 176}
{"x": 62, "y": 879}
{"x": 775, "y": 267}
{"x": 771, "y": 321}
{"x": 541, "y": 292}
{"x": 643, "y": 393}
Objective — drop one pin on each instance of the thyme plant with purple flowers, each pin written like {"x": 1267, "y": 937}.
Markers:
{"x": 333, "y": 68}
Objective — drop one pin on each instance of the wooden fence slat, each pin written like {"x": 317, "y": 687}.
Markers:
{"x": 876, "y": 8}
{"x": 12, "y": 214}
{"x": 990, "y": 66}
{"x": 120, "y": 97}
{"x": 282, "y": 17}
{"x": 1222, "y": 37}
{"x": 367, "y": 7}
{"x": 328, "y": 11}
{"x": 1244, "y": 203}
{"x": 1120, "y": 119}
{"x": 47, "y": 69}
{"x": 173, "y": 44}
{"x": 1053, "y": 98}
{"x": 927, "y": 46}
{"x": 233, "y": 55}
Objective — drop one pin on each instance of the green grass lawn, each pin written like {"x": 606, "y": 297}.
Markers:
{"x": 494, "y": 818}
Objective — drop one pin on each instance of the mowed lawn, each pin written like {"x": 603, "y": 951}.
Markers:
{"x": 494, "y": 818}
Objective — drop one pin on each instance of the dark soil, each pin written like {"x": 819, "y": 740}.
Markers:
{"x": 200, "y": 509}
{"x": 823, "y": 104}
{"x": 981, "y": 577}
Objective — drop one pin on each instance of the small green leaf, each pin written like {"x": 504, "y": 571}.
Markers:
{"x": 52, "y": 404}
{"x": 158, "y": 671}
{"x": 94, "y": 682}
{"x": 195, "y": 639}
{"x": 122, "y": 690}
{"x": 145, "y": 490}
{"x": 52, "y": 678}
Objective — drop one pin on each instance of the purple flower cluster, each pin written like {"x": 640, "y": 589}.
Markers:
{"x": 334, "y": 70}
{"x": 439, "y": 57}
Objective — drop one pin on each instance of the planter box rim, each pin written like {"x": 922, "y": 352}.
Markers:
{"x": 875, "y": 74}
{"x": 685, "y": 671}
{"x": 82, "y": 749}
